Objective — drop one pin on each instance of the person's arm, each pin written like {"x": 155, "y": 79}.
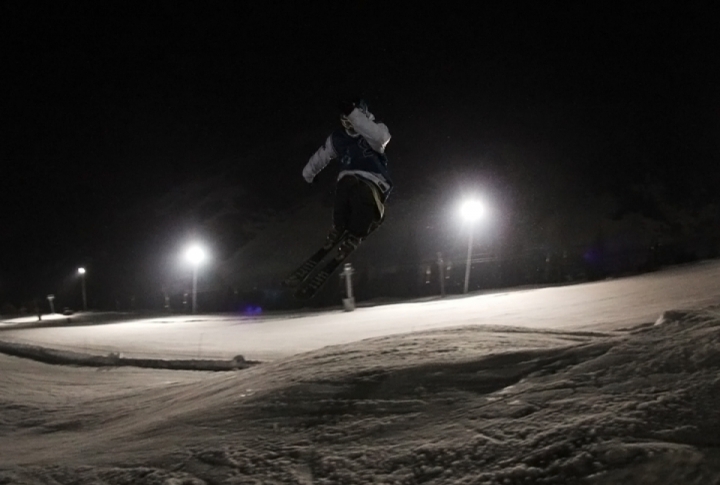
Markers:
{"x": 319, "y": 160}
{"x": 376, "y": 134}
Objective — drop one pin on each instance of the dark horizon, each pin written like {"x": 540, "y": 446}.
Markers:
{"x": 111, "y": 110}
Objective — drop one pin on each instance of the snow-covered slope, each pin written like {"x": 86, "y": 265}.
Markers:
{"x": 577, "y": 384}
{"x": 604, "y": 305}
{"x": 476, "y": 405}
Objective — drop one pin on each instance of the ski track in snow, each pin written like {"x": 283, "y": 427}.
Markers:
{"x": 582, "y": 402}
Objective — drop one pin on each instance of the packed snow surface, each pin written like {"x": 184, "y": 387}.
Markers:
{"x": 604, "y": 305}
{"x": 587, "y": 402}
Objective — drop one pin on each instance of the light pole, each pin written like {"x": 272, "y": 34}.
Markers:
{"x": 81, "y": 272}
{"x": 471, "y": 211}
{"x": 195, "y": 255}
{"x": 52, "y": 305}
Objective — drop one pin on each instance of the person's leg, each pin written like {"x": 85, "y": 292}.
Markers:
{"x": 365, "y": 215}
{"x": 342, "y": 207}
{"x": 341, "y": 214}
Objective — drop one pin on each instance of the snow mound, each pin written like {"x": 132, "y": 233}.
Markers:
{"x": 116, "y": 359}
{"x": 471, "y": 405}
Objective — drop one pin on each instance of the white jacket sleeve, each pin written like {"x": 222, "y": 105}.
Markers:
{"x": 376, "y": 134}
{"x": 319, "y": 160}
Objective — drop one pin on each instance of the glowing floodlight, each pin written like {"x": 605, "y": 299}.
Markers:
{"x": 472, "y": 210}
{"x": 81, "y": 272}
{"x": 195, "y": 255}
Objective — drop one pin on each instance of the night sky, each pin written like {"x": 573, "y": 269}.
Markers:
{"x": 108, "y": 105}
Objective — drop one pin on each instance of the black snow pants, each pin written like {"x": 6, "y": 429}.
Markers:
{"x": 358, "y": 208}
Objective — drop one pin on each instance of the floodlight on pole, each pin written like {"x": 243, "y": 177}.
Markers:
{"x": 81, "y": 272}
{"x": 195, "y": 255}
{"x": 471, "y": 211}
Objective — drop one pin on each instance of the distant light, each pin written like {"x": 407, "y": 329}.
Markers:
{"x": 81, "y": 270}
{"x": 472, "y": 210}
{"x": 195, "y": 254}
{"x": 253, "y": 310}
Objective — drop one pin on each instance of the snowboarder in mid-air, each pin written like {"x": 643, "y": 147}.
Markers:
{"x": 363, "y": 186}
